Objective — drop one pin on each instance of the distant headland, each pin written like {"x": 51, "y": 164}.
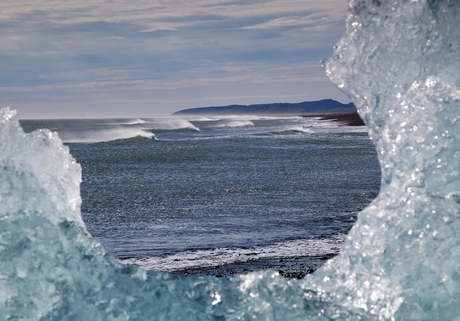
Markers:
{"x": 306, "y": 107}
{"x": 326, "y": 109}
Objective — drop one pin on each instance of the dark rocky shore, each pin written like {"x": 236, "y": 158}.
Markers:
{"x": 293, "y": 267}
{"x": 351, "y": 119}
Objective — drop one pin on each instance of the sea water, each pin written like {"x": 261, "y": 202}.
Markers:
{"x": 169, "y": 193}
{"x": 399, "y": 61}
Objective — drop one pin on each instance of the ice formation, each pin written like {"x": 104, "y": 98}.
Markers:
{"x": 400, "y": 62}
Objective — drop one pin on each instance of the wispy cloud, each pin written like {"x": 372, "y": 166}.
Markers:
{"x": 117, "y": 80}
{"x": 66, "y": 47}
{"x": 290, "y": 21}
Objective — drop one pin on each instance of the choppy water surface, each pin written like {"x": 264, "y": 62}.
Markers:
{"x": 218, "y": 190}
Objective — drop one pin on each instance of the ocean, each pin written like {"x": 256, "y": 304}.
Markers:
{"x": 172, "y": 193}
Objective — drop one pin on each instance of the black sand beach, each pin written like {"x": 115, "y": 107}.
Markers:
{"x": 351, "y": 119}
{"x": 292, "y": 267}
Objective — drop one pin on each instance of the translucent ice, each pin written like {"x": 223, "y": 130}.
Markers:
{"x": 400, "y": 62}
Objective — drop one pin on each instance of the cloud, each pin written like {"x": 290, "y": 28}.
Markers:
{"x": 99, "y": 73}
{"x": 289, "y": 21}
{"x": 119, "y": 79}
{"x": 67, "y": 47}
{"x": 163, "y": 15}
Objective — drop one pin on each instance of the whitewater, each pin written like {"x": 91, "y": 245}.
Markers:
{"x": 219, "y": 190}
{"x": 399, "y": 63}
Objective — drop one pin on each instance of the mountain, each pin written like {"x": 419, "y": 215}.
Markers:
{"x": 307, "y": 107}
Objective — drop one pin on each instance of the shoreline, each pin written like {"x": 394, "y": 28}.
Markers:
{"x": 351, "y": 119}
{"x": 292, "y": 267}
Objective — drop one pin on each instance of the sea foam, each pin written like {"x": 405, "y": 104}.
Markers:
{"x": 400, "y": 63}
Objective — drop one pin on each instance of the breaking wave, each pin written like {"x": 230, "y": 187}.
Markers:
{"x": 134, "y": 122}
{"x": 233, "y": 123}
{"x": 98, "y": 136}
{"x": 220, "y": 256}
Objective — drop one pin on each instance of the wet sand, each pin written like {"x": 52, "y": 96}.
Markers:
{"x": 293, "y": 267}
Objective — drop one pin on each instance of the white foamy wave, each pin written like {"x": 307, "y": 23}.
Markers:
{"x": 220, "y": 256}
{"x": 97, "y": 136}
{"x": 202, "y": 118}
{"x": 234, "y": 123}
{"x": 161, "y": 123}
{"x": 294, "y": 130}
{"x": 135, "y": 122}
{"x": 122, "y": 122}
{"x": 259, "y": 117}
{"x": 322, "y": 126}
{"x": 171, "y": 124}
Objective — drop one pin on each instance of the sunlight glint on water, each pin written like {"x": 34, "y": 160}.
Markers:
{"x": 208, "y": 192}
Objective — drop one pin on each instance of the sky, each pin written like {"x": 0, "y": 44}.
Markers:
{"x": 147, "y": 58}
